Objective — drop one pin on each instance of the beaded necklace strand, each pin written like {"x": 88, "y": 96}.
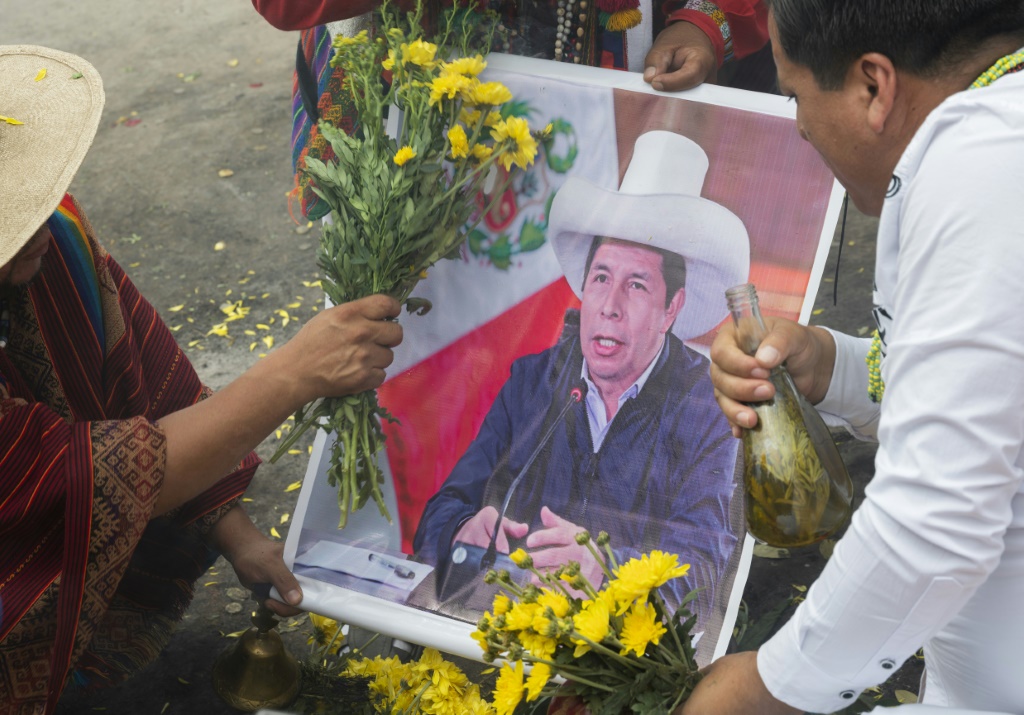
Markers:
{"x": 876, "y": 386}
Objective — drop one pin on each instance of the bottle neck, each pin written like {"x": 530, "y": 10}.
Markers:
{"x": 746, "y": 316}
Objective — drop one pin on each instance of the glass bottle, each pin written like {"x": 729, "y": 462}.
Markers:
{"x": 797, "y": 488}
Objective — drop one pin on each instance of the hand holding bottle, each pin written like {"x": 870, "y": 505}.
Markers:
{"x": 798, "y": 491}
{"x": 809, "y": 354}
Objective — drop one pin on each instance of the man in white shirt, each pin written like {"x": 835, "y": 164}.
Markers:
{"x": 935, "y": 554}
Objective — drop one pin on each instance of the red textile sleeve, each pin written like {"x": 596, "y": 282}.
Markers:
{"x": 304, "y": 14}
{"x": 747, "y": 24}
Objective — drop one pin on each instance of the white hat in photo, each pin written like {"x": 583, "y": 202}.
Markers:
{"x": 658, "y": 205}
{"x": 50, "y": 106}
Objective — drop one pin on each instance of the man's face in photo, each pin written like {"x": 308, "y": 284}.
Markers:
{"x": 623, "y": 318}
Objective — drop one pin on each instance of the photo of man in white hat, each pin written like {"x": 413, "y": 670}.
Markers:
{"x": 615, "y": 427}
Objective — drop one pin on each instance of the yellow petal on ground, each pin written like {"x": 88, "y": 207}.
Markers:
{"x": 182, "y": 681}
{"x": 232, "y": 63}
{"x": 134, "y": 265}
{"x": 268, "y": 340}
{"x": 228, "y": 292}
{"x": 285, "y": 517}
{"x": 277, "y": 433}
{"x": 309, "y": 449}
{"x": 246, "y": 499}
{"x": 818, "y": 311}
{"x": 273, "y": 532}
{"x": 220, "y": 329}
{"x": 210, "y": 583}
{"x": 293, "y": 486}
{"x": 265, "y": 295}
{"x": 262, "y": 355}
{"x": 252, "y": 346}
{"x": 262, "y": 326}
{"x": 294, "y": 451}
{"x": 219, "y": 246}
{"x": 175, "y": 328}
{"x": 10, "y": 120}
{"x": 249, "y": 332}
{"x": 176, "y": 308}
{"x": 41, "y": 75}
{"x": 312, "y": 284}
{"x": 191, "y": 320}
{"x": 294, "y": 305}
{"x": 250, "y": 272}
{"x": 243, "y": 281}
{"x": 225, "y": 173}
{"x": 236, "y": 634}
{"x": 193, "y": 343}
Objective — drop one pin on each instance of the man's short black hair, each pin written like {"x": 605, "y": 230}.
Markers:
{"x": 923, "y": 37}
{"x": 673, "y": 266}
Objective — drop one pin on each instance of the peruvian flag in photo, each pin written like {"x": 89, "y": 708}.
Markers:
{"x": 503, "y": 299}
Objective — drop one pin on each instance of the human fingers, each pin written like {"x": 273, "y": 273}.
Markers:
{"x": 377, "y": 307}
{"x": 657, "y": 62}
{"x": 689, "y": 68}
{"x": 553, "y": 557}
{"x": 515, "y": 529}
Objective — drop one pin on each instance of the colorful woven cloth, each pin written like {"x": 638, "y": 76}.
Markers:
{"x": 87, "y": 581}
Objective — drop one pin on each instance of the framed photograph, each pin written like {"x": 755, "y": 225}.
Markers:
{"x": 560, "y": 382}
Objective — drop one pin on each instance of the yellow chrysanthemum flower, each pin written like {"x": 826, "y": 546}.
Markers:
{"x": 325, "y": 630}
{"x": 592, "y": 622}
{"x": 481, "y": 152}
{"x": 460, "y": 143}
{"x": 469, "y": 118}
{"x": 473, "y": 704}
{"x": 557, "y": 602}
{"x": 449, "y": 86}
{"x": 521, "y": 616}
{"x": 502, "y": 604}
{"x": 481, "y": 638}
{"x": 520, "y": 148}
{"x": 546, "y": 131}
{"x": 508, "y": 692}
{"x": 539, "y": 676}
{"x": 389, "y": 63}
{"x": 470, "y": 66}
{"x": 492, "y": 119}
{"x": 444, "y": 675}
{"x": 404, "y": 154}
{"x": 492, "y": 93}
{"x": 640, "y": 628}
{"x": 420, "y": 53}
{"x": 538, "y": 645}
{"x": 634, "y": 579}
{"x": 519, "y": 557}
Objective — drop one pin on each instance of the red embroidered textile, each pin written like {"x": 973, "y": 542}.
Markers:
{"x": 81, "y": 463}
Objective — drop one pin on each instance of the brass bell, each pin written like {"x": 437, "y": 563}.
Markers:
{"x": 257, "y": 671}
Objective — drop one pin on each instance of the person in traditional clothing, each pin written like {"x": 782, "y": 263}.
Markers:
{"x": 677, "y": 44}
{"x": 918, "y": 107}
{"x": 120, "y": 473}
{"x": 646, "y": 455}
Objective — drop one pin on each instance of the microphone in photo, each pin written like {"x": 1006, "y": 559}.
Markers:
{"x": 576, "y": 395}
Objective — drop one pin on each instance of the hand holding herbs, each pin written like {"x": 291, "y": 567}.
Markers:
{"x": 401, "y": 203}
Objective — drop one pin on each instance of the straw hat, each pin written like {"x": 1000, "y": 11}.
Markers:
{"x": 658, "y": 205}
{"x": 58, "y": 114}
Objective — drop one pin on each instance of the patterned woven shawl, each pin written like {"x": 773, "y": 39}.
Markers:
{"x": 83, "y": 570}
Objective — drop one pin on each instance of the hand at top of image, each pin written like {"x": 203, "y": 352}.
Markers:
{"x": 682, "y": 57}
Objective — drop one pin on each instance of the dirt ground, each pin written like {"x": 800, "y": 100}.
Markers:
{"x": 196, "y": 90}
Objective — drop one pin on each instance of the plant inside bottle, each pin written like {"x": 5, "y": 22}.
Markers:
{"x": 797, "y": 488}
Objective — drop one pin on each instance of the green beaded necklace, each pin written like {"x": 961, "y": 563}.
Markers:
{"x": 876, "y": 387}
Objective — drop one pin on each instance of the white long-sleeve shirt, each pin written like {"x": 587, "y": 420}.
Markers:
{"x": 935, "y": 554}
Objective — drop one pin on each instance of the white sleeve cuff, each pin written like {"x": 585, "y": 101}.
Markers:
{"x": 795, "y": 680}
{"x": 846, "y": 404}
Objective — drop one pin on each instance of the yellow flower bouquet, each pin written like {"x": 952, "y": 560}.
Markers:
{"x": 618, "y": 648}
{"x": 400, "y": 203}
